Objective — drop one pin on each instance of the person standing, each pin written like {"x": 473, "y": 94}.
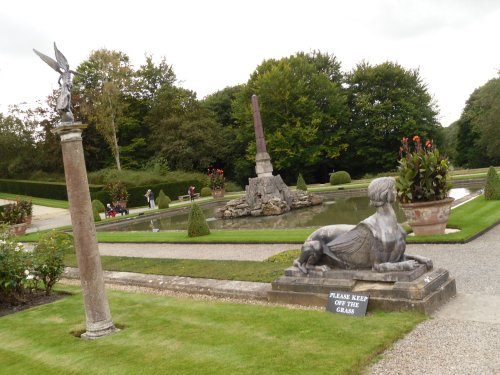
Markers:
{"x": 191, "y": 192}
{"x": 151, "y": 198}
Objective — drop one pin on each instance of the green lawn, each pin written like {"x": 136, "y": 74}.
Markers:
{"x": 168, "y": 335}
{"x": 208, "y": 269}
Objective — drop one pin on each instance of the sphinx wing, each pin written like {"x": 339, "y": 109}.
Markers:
{"x": 358, "y": 239}
{"x": 49, "y": 60}
{"x": 63, "y": 63}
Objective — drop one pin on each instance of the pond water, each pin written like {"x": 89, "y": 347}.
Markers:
{"x": 336, "y": 210}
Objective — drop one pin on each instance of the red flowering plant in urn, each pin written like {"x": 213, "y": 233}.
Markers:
{"x": 423, "y": 185}
{"x": 216, "y": 181}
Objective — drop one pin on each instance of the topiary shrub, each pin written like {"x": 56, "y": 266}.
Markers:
{"x": 163, "y": 200}
{"x": 97, "y": 207}
{"x": 339, "y": 178}
{"x": 301, "y": 184}
{"x": 492, "y": 187}
{"x": 206, "y": 192}
{"x": 197, "y": 224}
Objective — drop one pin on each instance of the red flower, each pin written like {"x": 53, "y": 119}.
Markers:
{"x": 428, "y": 144}
{"x": 416, "y": 138}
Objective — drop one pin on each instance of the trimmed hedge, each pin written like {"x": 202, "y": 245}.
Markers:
{"x": 197, "y": 224}
{"x": 136, "y": 194}
{"x": 301, "y": 183}
{"x": 492, "y": 187}
{"x": 339, "y": 178}
{"x": 40, "y": 189}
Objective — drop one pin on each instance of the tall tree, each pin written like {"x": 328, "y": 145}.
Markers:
{"x": 386, "y": 102}
{"x": 182, "y": 130}
{"x": 104, "y": 82}
{"x": 17, "y": 143}
{"x": 231, "y": 152}
{"x": 478, "y": 140}
{"x": 302, "y": 106}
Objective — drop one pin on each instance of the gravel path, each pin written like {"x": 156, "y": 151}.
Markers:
{"x": 258, "y": 252}
{"x": 463, "y": 337}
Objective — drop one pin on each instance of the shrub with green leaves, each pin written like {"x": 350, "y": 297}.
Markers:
{"x": 15, "y": 268}
{"x": 48, "y": 257}
{"x": 339, "y": 178}
{"x": 197, "y": 224}
{"x": 206, "y": 192}
{"x": 97, "y": 207}
{"x": 492, "y": 187}
{"x": 301, "y": 184}
{"x": 12, "y": 214}
{"x": 163, "y": 200}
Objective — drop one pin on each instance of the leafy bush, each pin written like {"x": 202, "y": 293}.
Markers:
{"x": 51, "y": 190}
{"x": 145, "y": 177}
{"x": 492, "y": 187}
{"x": 117, "y": 191}
{"x": 197, "y": 224}
{"x": 301, "y": 184}
{"x": 48, "y": 256}
{"x": 339, "y": 178}
{"x": 12, "y": 214}
{"x": 163, "y": 200}
{"x": 206, "y": 192}
{"x": 157, "y": 165}
{"x": 97, "y": 207}
{"x": 15, "y": 268}
{"x": 231, "y": 187}
{"x": 26, "y": 206}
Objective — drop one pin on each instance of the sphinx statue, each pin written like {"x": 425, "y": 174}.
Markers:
{"x": 378, "y": 242}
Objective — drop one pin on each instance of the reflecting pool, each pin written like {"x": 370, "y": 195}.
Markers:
{"x": 334, "y": 210}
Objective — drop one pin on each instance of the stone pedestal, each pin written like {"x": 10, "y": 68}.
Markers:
{"x": 420, "y": 290}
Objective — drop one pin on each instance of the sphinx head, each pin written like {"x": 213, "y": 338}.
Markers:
{"x": 381, "y": 191}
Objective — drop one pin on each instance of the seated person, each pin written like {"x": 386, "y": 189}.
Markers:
{"x": 121, "y": 210}
{"x": 110, "y": 211}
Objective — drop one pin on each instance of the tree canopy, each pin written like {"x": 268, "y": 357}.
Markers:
{"x": 302, "y": 105}
{"x": 478, "y": 142}
{"x": 386, "y": 103}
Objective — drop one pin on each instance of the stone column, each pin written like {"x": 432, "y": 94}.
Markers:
{"x": 263, "y": 166}
{"x": 98, "y": 316}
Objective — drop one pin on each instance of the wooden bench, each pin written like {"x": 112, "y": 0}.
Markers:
{"x": 182, "y": 197}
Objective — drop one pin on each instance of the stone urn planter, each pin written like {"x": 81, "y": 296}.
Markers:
{"x": 18, "y": 229}
{"x": 218, "y": 193}
{"x": 428, "y": 218}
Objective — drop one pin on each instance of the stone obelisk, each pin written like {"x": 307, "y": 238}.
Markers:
{"x": 263, "y": 166}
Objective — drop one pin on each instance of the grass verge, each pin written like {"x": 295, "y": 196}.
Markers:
{"x": 168, "y": 335}
{"x": 38, "y": 201}
{"x": 265, "y": 272}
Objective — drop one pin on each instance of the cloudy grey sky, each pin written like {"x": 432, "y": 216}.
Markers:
{"x": 218, "y": 43}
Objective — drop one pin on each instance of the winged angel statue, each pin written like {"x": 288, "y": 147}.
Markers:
{"x": 61, "y": 66}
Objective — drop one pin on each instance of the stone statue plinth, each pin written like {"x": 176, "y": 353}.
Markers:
{"x": 419, "y": 289}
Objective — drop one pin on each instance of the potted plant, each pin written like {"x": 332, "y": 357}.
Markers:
{"x": 27, "y": 206}
{"x": 423, "y": 185}
{"x": 118, "y": 193}
{"x": 216, "y": 182}
{"x": 14, "y": 216}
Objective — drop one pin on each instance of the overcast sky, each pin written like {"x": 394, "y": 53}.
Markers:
{"x": 219, "y": 43}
